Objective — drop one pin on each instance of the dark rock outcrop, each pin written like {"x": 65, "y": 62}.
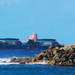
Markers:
{"x": 59, "y": 56}
{"x": 22, "y": 60}
{"x": 62, "y": 55}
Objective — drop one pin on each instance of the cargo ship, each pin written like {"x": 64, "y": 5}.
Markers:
{"x": 32, "y": 43}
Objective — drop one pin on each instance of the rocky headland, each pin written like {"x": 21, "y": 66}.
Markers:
{"x": 61, "y": 55}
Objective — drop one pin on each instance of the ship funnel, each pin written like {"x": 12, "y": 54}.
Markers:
{"x": 35, "y": 37}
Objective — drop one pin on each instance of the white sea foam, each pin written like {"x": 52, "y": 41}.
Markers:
{"x": 6, "y": 61}
{"x": 14, "y": 57}
{"x": 42, "y": 63}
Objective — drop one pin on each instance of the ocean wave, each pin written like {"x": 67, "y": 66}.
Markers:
{"x": 42, "y": 63}
{"x": 6, "y": 61}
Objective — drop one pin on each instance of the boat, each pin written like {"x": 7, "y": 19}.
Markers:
{"x": 32, "y": 43}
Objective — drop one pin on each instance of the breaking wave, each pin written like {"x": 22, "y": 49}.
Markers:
{"x": 6, "y": 61}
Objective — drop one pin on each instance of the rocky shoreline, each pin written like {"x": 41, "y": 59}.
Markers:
{"x": 61, "y": 55}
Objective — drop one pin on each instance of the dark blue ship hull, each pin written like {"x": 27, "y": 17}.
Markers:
{"x": 22, "y": 47}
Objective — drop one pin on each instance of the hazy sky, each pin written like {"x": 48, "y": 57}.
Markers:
{"x": 48, "y": 18}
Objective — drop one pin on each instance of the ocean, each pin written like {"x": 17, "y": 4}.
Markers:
{"x": 29, "y": 69}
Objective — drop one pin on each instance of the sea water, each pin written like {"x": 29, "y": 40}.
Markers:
{"x": 7, "y": 68}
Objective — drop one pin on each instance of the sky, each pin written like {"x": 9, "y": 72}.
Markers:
{"x": 52, "y": 19}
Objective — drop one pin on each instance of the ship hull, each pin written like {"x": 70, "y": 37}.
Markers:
{"x": 22, "y": 47}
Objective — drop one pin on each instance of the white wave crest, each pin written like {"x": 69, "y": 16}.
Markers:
{"x": 6, "y": 61}
{"x": 42, "y": 63}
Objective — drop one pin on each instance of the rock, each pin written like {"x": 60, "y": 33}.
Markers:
{"x": 60, "y": 46}
{"x": 28, "y": 59}
{"x": 56, "y": 54}
{"x": 56, "y": 58}
{"x": 59, "y": 55}
{"x": 54, "y": 50}
{"x": 63, "y": 55}
{"x": 13, "y": 59}
{"x": 71, "y": 64}
{"x": 71, "y": 57}
{"x": 41, "y": 61}
{"x": 62, "y": 51}
{"x": 70, "y": 52}
{"x": 50, "y": 47}
{"x": 61, "y": 60}
{"x": 65, "y": 63}
{"x": 74, "y": 54}
{"x": 60, "y": 63}
{"x": 49, "y": 52}
{"x": 43, "y": 51}
{"x": 40, "y": 57}
{"x": 52, "y": 62}
{"x": 36, "y": 57}
{"x": 68, "y": 55}
{"x": 70, "y": 60}
{"x": 17, "y": 60}
{"x": 45, "y": 58}
{"x": 22, "y": 62}
{"x": 74, "y": 61}
{"x": 73, "y": 46}
{"x": 66, "y": 47}
{"x": 34, "y": 60}
{"x": 57, "y": 64}
{"x": 66, "y": 52}
{"x": 57, "y": 48}
{"x": 48, "y": 62}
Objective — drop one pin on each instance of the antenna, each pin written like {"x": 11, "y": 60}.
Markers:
{"x": 33, "y": 33}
